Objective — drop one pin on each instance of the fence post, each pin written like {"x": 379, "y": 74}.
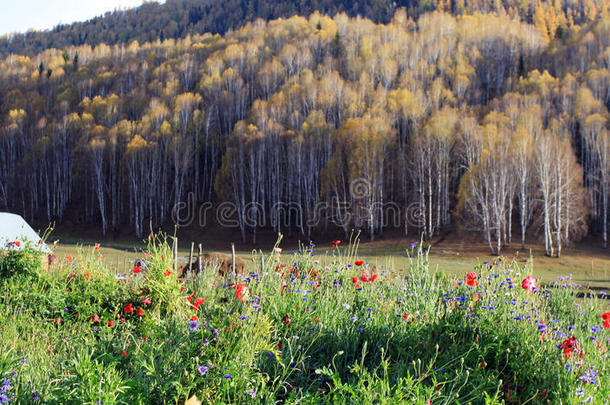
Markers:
{"x": 262, "y": 262}
{"x": 190, "y": 265}
{"x": 199, "y": 258}
{"x": 233, "y": 260}
{"x": 175, "y": 253}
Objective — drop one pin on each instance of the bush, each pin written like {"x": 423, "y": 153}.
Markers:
{"x": 25, "y": 262}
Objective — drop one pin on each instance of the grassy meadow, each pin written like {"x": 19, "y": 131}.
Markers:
{"x": 588, "y": 264}
{"x": 317, "y": 325}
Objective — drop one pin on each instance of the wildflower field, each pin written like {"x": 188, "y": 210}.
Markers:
{"x": 295, "y": 331}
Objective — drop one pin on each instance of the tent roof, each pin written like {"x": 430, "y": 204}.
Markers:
{"x": 14, "y": 228}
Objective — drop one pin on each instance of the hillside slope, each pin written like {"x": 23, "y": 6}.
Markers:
{"x": 319, "y": 124}
{"x": 178, "y": 18}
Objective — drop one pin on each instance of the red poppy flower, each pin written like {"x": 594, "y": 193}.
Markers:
{"x": 95, "y": 319}
{"x": 358, "y": 263}
{"x": 167, "y": 273}
{"x": 194, "y": 318}
{"x": 241, "y": 292}
{"x": 368, "y": 279}
{"x": 87, "y": 275}
{"x": 336, "y": 243}
{"x": 189, "y": 298}
{"x": 529, "y": 283}
{"x": 471, "y": 279}
{"x": 279, "y": 346}
{"x": 128, "y": 309}
{"x": 606, "y": 316}
{"x": 140, "y": 312}
{"x": 197, "y": 303}
{"x": 69, "y": 258}
{"x": 57, "y": 321}
{"x": 355, "y": 280}
{"x": 286, "y": 319}
{"x": 606, "y": 324}
{"x": 568, "y": 346}
{"x": 110, "y": 324}
{"x": 97, "y": 246}
{"x": 137, "y": 269}
{"x": 124, "y": 353}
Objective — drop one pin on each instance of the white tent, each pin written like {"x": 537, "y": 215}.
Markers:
{"x": 14, "y": 228}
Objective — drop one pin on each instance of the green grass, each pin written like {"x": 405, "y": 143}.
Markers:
{"x": 306, "y": 333}
{"x": 589, "y": 267}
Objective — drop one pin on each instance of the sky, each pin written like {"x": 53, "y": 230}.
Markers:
{"x": 22, "y": 15}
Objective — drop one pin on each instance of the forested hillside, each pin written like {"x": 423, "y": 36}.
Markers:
{"x": 483, "y": 121}
{"x": 178, "y": 18}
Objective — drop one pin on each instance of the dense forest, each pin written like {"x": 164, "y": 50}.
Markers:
{"x": 493, "y": 122}
{"x": 177, "y": 18}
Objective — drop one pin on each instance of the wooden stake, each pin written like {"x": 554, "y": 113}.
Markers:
{"x": 190, "y": 268}
{"x": 262, "y": 263}
{"x": 175, "y": 253}
{"x": 233, "y": 259}
{"x": 199, "y": 259}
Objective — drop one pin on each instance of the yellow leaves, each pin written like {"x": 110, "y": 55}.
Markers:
{"x": 136, "y": 144}
{"x": 404, "y": 103}
{"x": 86, "y": 118}
{"x": 235, "y": 55}
{"x": 496, "y": 119}
{"x": 106, "y": 76}
{"x": 96, "y": 144}
{"x": 57, "y": 74}
{"x": 171, "y": 89}
{"x": 594, "y": 123}
{"x": 17, "y": 116}
{"x": 441, "y": 126}
{"x": 187, "y": 102}
{"x": 586, "y": 103}
{"x": 323, "y": 26}
{"x": 102, "y": 51}
{"x": 366, "y": 47}
{"x": 542, "y": 84}
{"x": 166, "y": 128}
{"x": 522, "y": 142}
{"x": 229, "y": 77}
